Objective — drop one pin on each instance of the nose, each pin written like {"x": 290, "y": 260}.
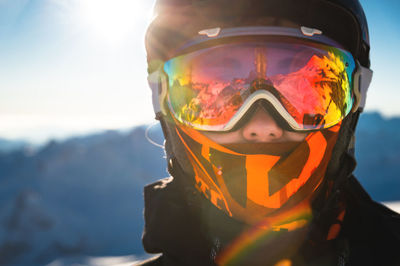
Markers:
{"x": 262, "y": 128}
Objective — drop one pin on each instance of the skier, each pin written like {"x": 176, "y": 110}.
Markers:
{"x": 259, "y": 101}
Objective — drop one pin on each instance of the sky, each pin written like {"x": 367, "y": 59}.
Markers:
{"x": 70, "y": 67}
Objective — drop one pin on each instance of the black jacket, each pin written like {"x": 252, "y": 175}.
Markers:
{"x": 187, "y": 230}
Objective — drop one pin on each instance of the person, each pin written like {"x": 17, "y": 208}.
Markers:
{"x": 259, "y": 101}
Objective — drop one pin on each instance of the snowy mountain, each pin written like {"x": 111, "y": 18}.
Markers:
{"x": 11, "y": 145}
{"x": 79, "y": 197}
{"x": 378, "y": 156}
{"x": 82, "y": 198}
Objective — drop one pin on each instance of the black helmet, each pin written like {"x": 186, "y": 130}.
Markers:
{"x": 177, "y": 21}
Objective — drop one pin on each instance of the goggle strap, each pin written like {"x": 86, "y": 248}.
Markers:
{"x": 362, "y": 80}
{"x": 158, "y": 85}
{"x": 366, "y": 78}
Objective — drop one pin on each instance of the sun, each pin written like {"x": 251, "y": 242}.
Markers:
{"x": 112, "y": 20}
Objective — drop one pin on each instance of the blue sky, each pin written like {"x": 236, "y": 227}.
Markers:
{"x": 75, "y": 66}
{"x": 384, "y": 23}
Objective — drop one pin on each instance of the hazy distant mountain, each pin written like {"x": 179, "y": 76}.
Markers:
{"x": 378, "y": 156}
{"x": 11, "y": 145}
{"x": 83, "y": 196}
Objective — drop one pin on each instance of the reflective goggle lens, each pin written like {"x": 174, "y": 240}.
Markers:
{"x": 311, "y": 82}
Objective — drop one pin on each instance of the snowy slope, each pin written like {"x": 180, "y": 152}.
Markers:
{"x": 395, "y": 206}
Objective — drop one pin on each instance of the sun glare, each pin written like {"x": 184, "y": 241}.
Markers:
{"x": 112, "y": 20}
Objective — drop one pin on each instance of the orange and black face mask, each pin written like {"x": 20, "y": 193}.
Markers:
{"x": 265, "y": 185}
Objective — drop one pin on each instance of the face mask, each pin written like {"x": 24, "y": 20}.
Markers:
{"x": 268, "y": 184}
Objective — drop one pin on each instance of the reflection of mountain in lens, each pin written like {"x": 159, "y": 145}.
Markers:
{"x": 180, "y": 105}
{"x": 197, "y": 102}
{"x": 318, "y": 87}
{"x": 185, "y": 93}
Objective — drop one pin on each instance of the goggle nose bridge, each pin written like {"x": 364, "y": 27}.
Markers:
{"x": 268, "y": 108}
{"x": 254, "y": 98}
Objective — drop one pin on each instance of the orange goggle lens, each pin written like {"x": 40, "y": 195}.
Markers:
{"x": 309, "y": 84}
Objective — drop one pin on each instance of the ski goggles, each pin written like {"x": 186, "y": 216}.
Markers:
{"x": 310, "y": 85}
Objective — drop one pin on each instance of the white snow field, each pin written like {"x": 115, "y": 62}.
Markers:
{"x": 97, "y": 261}
{"x": 393, "y": 205}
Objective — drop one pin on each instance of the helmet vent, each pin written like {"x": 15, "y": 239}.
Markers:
{"x": 310, "y": 31}
{"x": 210, "y": 32}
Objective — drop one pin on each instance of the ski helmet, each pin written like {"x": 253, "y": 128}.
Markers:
{"x": 177, "y": 21}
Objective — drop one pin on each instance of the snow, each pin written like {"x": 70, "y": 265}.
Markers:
{"x": 395, "y": 206}
{"x": 96, "y": 261}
